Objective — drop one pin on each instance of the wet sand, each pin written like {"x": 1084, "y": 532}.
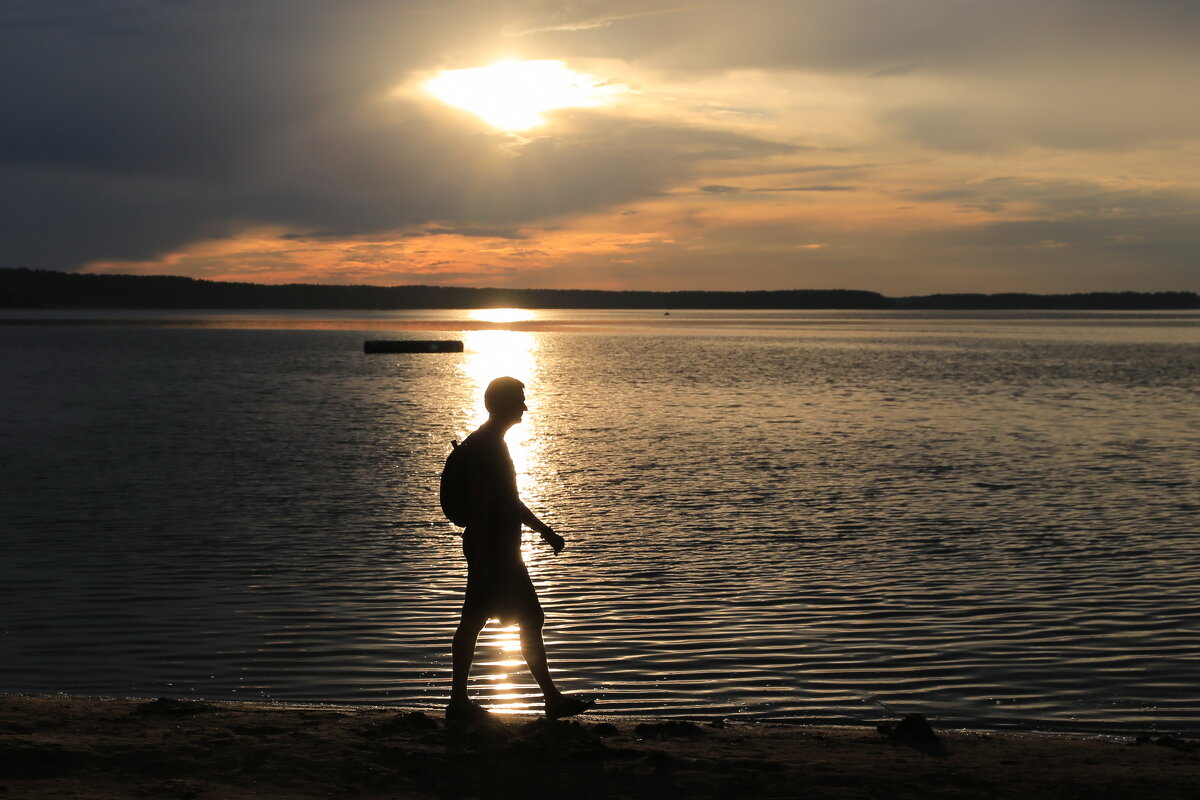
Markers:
{"x": 61, "y": 747}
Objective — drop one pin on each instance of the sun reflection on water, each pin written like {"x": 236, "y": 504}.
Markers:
{"x": 505, "y": 695}
{"x": 491, "y": 354}
{"x": 503, "y": 315}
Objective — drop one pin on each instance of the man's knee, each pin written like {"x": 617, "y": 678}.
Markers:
{"x": 532, "y": 620}
{"x": 471, "y": 624}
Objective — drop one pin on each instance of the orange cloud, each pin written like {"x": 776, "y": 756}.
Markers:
{"x": 427, "y": 256}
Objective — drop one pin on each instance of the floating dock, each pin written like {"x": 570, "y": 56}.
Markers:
{"x": 412, "y": 346}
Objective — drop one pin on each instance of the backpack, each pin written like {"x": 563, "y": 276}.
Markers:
{"x": 455, "y": 493}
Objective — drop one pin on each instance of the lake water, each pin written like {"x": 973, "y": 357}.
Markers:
{"x": 805, "y": 516}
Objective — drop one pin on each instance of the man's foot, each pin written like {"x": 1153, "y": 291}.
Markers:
{"x": 564, "y": 706}
{"x": 467, "y": 711}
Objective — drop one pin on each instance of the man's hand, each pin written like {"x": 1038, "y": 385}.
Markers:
{"x": 554, "y": 540}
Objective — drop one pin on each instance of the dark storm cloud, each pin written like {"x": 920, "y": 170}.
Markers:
{"x": 141, "y": 126}
{"x": 145, "y": 88}
{"x": 135, "y": 121}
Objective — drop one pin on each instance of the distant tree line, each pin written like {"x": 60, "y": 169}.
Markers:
{"x": 34, "y": 289}
{"x": 1086, "y": 301}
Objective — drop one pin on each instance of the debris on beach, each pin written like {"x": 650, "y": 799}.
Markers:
{"x": 1166, "y": 740}
{"x": 914, "y": 730}
{"x": 668, "y": 729}
{"x": 171, "y": 707}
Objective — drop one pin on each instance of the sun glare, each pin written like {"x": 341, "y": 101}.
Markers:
{"x": 502, "y": 314}
{"x": 512, "y": 95}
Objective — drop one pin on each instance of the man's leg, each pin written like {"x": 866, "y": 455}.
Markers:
{"x": 463, "y": 652}
{"x": 534, "y": 651}
{"x": 558, "y": 705}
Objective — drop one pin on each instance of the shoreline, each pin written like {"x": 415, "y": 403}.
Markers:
{"x": 87, "y": 747}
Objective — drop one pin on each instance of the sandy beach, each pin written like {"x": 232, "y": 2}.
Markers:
{"x": 106, "y": 748}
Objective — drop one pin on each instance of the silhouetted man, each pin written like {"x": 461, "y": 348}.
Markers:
{"x": 498, "y": 585}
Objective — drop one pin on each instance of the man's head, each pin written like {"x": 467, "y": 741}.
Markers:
{"x": 504, "y": 400}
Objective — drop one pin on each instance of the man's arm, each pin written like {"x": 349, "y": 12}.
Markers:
{"x": 530, "y": 520}
{"x": 476, "y": 533}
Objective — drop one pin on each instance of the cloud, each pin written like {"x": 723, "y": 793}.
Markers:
{"x": 488, "y": 233}
{"x": 442, "y": 256}
{"x": 922, "y": 143}
{"x": 553, "y": 16}
{"x": 1070, "y": 199}
{"x": 815, "y": 188}
{"x": 1099, "y": 111}
{"x": 951, "y": 75}
{"x": 899, "y": 69}
{"x": 869, "y": 37}
{"x": 145, "y": 126}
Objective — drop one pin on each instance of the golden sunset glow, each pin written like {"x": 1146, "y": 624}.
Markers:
{"x": 503, "y": 314}
{"x": 491, "y": 354}
{"x": 505, "y": 694}
{"x": 652, "y": 146}
{"x": 513, "y": 95}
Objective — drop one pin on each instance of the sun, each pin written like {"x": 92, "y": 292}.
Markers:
{"x": 513, "y": 95}
{"x": 503, "y": 314}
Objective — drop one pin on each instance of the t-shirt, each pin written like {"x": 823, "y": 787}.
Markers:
{"x": 489, "y": 460}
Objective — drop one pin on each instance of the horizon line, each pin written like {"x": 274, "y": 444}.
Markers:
{"x": 446, "y": 287}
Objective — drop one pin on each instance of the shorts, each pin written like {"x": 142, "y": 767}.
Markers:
{"x": 506, "y": 594}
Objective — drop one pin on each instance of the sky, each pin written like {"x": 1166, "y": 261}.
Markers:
{"x": 900, "y": 146}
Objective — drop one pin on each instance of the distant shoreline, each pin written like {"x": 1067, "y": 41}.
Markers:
{"x": 557, "y": 320}
{"x": 28, "y": 289}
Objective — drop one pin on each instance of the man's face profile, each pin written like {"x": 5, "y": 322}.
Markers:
{"x": 505, "y": 400}
{"x": 512, "y": 406}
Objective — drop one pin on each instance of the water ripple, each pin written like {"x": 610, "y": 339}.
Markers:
{"x": 993, "y": 527}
